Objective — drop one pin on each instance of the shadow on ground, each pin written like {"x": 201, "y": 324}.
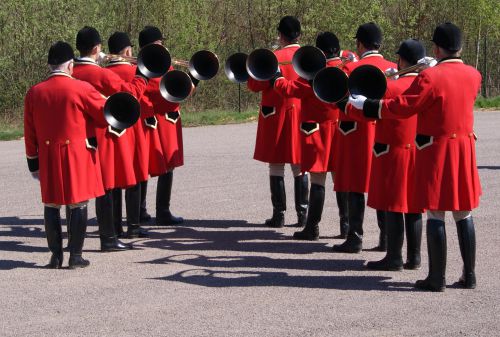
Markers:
{"x": 214, "y": 278}
{"x": 181, "y": 238}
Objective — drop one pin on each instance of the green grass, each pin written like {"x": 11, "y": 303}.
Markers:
{"x": 488, "y": 103}
{"x": 11, "y": 131}
{"x": 217, "y": 117}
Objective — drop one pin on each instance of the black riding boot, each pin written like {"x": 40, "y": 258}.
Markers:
{"x": 104, "y": 214}
{"x": 316, "y": 202}
{"x": 133, "y": 205}
{"x": 163, "y": 192}
{"x": 78, "y": 224}
{"x": 413, "y": 227}
{"x": 301, "y": 188}
{"x": 436, "y": 246}
{"x": 382, "y": 238}
{"x": 342, "y": 198}
{"x": 354, "y": 241}
{"x": 68, "y": 229}
{"x": 467, "y": 242}
{"x": 393, "y": 260}
{"x": 278, "y": 199}
{"x": 53, "y": 231}
{"x": 145, "y": 217}
{"x": 117, "y": 212}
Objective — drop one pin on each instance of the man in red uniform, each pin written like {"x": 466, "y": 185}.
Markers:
{"x": 170, "y": 133}
{"x": 392, "y": 179}
{"x": 120, "y": 45}
{"x": 278, "y": 130}
{"x": 318, "y": 127}
{"x": 446, "y": 172}
{"x": 64, "y": 158}
{"x": 117, "y": 162}
{"x": 355, "y": 143}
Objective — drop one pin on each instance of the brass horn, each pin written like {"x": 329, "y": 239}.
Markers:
{"x": 122, "y": 110}
{"x": 154, "y": 60}
{"x": 307, "y": 61}
{"x": 262, "y": 64}
{"x": 235, "y": 68}
{"x": 176, "y": 86}
{"x": 371, "y": 82}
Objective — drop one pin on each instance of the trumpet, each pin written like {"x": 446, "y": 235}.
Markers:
{"x": 421, "y": 64}
{"x": 366, "y": 80}
{"x": 176, "y": 85}
{"x": 122, "y": 110}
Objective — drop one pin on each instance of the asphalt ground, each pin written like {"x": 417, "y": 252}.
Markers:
{"x": 223, "y": 274}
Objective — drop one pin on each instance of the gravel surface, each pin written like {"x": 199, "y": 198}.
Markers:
{"x": 223, "y": 274}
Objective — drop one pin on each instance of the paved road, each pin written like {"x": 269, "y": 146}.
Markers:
{"x": 222, "y": 274}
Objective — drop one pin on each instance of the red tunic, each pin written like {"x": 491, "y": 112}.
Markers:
{"x": 140, "y": 148}
{"x": 354, "y": 142}
{"x": 169, "y": 125}
{"x": 116, "y": 154}
{"x": 392, "y": 178}
{"x": 278, "y": 135}
{"x": 68, "y": 164}
{"x": 318, "y": 123}
{"x": 443, "y": 98}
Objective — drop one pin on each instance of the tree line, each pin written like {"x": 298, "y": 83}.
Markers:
{"x": 29, "y": 27}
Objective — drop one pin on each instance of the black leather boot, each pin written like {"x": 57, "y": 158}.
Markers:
{"x": 316, "y": 202}
{"x": 104, "y": 214}
{"x": 393, "y": 260}
{"x": 436, "y": 246}
{"x": 301, "y": 188}
{"x": 68, "y": 229}
{"x": 278, "y": 199}
{"x": 78, "y": 224}
{"x": 133, "y": 205}
{"x": 145, "y": 217}
{"x": 342, "y": 204}
{"x": 53, "y": 231}
{"x": 117, "y": 213}
{"x": 354, "y": 241}
{"x": 163, "y": 192}
{"x": 413, "y": 227}
{"x": 467, "y": 242}
{"x": 382, "y": 237}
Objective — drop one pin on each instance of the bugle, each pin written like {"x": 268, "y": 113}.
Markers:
{"x": 262, "y": 64}
{"x": 236, "y": 69}
{"x": 370, "y": 81}
{"x": 121, "y": 110}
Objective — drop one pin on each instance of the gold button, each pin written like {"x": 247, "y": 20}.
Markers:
{"x": 67, "y": 141}
{"x": 454, "y": 135}
{"x": 47, "y": 142}
{"x": 408, "y": 146}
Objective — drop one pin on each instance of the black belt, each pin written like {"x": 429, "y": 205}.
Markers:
{"x": 309, "y": 127}
{"x": 422, "y": 141}
{"x": 347, "y": 127}
{"x": 172, "y": 116}
{"x": 267, "y": 111}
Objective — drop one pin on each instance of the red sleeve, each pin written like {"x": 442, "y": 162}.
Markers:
{"x": 418, "y": 97}
{"x": 94, "y": 101}
{"x": 355, "y": 114}
{"x": 113, "y": 83}
{"x": 292, "y": 88}
{"x": 30, "y": 141}
{"x": 257, "y": 86}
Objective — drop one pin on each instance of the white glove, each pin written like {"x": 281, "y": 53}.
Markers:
{"x": 357, "y": 101}
{"x": 36, "y": 175}
{"x": 427, "y": 62}
{"x": 390, "y": 73}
